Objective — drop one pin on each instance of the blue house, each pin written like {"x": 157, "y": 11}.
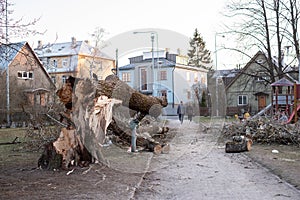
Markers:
{"x": 167, "y": 75}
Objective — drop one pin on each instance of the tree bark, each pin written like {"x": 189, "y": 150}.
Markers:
{"x": 113, "y": 87}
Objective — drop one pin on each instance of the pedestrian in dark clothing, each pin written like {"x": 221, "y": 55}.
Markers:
{"x": 189, "y": 112}
{"x": 181, "y": 111}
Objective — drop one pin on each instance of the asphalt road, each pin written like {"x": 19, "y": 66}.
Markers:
{"x": 198, "y": 168}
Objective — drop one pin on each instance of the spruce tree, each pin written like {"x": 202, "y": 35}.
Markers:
{"x": 199, "y": 56}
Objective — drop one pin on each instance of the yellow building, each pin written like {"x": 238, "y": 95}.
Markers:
{"x": 76, "y": 58}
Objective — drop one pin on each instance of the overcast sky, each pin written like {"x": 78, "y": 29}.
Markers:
{"x": 79, "y": 18}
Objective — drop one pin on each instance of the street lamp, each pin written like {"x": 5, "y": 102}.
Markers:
{"x": 7, "y": 69}
{"x": 217, "y": 74}
{"x": 152, "y": 42}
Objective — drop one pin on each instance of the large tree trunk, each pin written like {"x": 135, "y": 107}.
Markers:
{"x": 113, "y": 87}
{"x": 89, "y": 113}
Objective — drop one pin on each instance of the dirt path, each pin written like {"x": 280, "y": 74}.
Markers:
{"x": 195, "y": 168}
{"x": 205, "y": 171}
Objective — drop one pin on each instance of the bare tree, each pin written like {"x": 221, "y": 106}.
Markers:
{"x": 292, "y": 8}
{"x": 97, "y": 36}
{"x": 14, "y": 28}
{"x": 263, "y": 25}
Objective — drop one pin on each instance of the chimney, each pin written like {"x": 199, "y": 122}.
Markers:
{"x": 178, "y": 51}
{"x": 40, "y": 44}
{"x": 73, "y": 42}
{"x": 167, "y": 52}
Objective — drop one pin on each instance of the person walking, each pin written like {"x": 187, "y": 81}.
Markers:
{"x": 181, "y": 111}
{"x": 189, "y": 112}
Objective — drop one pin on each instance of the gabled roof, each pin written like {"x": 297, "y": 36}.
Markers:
{"x": 253, "y": 59}
{"x": 283, "y": 82}
{"x": 68, "y": 48}
{"x": 246, "y": 67}
{"x": 9, "y": 52}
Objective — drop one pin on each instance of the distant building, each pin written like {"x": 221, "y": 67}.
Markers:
{"x": 249, "y": 88}
{"x": 173, "y": 77}
{"x": 30, "y": 87}
{"x": 76, "y": 58}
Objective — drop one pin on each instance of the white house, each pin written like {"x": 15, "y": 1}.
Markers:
{"x": 173, "y": 77}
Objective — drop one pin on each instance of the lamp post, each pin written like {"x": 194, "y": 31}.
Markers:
{"x": 152, "y": 42}
{"x": 217, "y": 74}
{"x": 7, "y": 69}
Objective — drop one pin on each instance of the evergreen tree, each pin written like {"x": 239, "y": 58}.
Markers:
{"x": 199, "y": 56}
{"x": 203, "y": 99}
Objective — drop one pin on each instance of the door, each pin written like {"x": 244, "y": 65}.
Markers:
{"x": 144, "y": 81}
{"x": 261, "y": 102}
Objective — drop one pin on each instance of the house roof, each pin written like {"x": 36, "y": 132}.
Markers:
{"x": 69, "y": 48}
{"x": 9, "y": 52}
{"x": 227, "y": 73}
{"x": 282, "y": 82}
{"x": 163, "y": 62}
{"x": 252, "y": 61}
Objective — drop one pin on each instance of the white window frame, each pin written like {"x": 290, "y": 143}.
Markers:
{"x": 188, "y": 76}
{"x": 65, "y": 62}
{"x": 54, "y": 63}
{"x": 25, "y": 75}
{"x": 242, "y": 98}
{"x": 126, "y": 77}
{"x": 64, "y": 79}
{"x": 162, "y": 75}
{"x": 145, "y": 70}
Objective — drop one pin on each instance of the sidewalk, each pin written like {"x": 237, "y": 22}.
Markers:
{"x": 202, "y": 170}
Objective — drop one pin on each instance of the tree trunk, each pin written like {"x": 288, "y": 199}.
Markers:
{"x": 89, "y": 114}
{"x": 113, "y": 87}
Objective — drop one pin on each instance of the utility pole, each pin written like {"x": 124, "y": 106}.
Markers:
{"x": 152, "y": 69}
{"x": 7, "y": 69}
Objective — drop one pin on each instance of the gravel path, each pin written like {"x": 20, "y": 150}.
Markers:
{"x": 198, "y": 168}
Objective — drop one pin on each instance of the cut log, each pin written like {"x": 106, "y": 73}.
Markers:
{"x": 165, "y": 148}
{"x": 238, "y": 146}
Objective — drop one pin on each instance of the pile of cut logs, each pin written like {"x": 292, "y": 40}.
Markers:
{"x": 264, "y": 130}
{"x": 98, "y": 113}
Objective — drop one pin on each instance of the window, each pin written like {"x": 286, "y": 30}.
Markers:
{"x": 242, "y": 100}
{"x": 25, "y": 75}
{"x": 195, "y": 77}
{"x": 100, "y": 65}
{"x": 188, "y": 76}
{"x": 126, "y": 77}
{"x": 53, "y": 78}
{"x": 163, "y": 93}
{"x": 162, "y": 75}
{"x": 65, "y": 62}
{"x": 64, "y": 78}
{"x": 144, "y": 85}
{"x": 54, "y": 63}
{"x": 30, "y": 75}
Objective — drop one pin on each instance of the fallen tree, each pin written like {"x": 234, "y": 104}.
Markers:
{"x": 265, "y": 130}
{"x": 89, "y": 113}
